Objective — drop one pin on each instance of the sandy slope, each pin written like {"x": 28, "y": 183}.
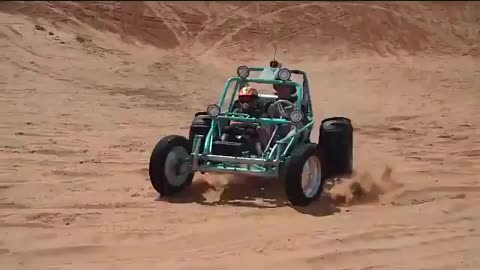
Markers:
{"x": 81, "y": 109}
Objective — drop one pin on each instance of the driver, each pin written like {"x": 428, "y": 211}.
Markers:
{"x": 285, "y": 91}
{"x": 288, "y": 92}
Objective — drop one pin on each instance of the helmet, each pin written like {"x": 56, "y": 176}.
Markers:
{"x": 247, "y": 94}
{"x": 292, "y": 89}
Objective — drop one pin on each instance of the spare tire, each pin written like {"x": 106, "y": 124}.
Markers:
{"x": 336, "y": 145}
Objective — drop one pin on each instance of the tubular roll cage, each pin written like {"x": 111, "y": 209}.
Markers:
{"x": 268, "y": 164}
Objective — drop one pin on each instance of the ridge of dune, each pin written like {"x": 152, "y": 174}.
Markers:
{"x": 88, "y": 88}
{"x": 236, "y": 28}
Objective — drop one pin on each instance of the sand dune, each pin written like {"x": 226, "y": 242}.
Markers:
{"x": 89, "y": 87}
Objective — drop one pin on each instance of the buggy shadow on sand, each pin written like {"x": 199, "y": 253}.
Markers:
{"x": 289, "y": 155}
{"x": 251, "y": 192}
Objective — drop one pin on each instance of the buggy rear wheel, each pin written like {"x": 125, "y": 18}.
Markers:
{"x": 200, "y": 125}
{"x": 169, "y": 169}
{"x": 303, "y": 175}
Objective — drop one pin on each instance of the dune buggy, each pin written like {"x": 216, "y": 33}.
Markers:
{"x": 221, "y": 141}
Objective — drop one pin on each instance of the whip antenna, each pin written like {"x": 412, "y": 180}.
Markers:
{"x": 274, "y": 63}
{"x": 275, "y": 53}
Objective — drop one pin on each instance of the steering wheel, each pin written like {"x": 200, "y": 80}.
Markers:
{"x": 281, "y": 107}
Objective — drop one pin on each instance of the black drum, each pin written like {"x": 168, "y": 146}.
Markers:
{"x": 336, "y": 145}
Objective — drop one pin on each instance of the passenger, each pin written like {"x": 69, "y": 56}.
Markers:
{"x": 248, "y": 102}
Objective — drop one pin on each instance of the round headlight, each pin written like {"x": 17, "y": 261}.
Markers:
{"x": 296, "y": 116}
{"x": 213, "y": 110}
{"x": 284, "y": 74}
{"x": 243, "y": 72}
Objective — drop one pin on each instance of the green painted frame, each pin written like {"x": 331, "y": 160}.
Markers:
{"x": 281, "y": 149}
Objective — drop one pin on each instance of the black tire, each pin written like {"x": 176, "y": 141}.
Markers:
{"x": 159, "y": 177}
{"x": 200, "y": 125}
{"x": 200, "y": 113}
{"x": 201, "y": 118}
{"x": 291, "y": 172}
{"x": 336, "y": 145}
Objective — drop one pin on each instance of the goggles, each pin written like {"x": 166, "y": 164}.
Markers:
{"x": 246, "y": 98}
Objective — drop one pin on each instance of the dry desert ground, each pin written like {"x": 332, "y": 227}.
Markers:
{"x": 88, "y": 88}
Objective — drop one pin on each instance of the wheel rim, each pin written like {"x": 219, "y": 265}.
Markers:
{"x": 176, "y": 169}
{"x": 311, "y": 176}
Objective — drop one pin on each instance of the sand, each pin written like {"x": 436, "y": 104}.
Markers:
{"x": 87, "y": 89}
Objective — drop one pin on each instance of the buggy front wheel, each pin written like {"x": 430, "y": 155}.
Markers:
{"x": 303, "y": 175}
{"x": 169, "y": 169}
